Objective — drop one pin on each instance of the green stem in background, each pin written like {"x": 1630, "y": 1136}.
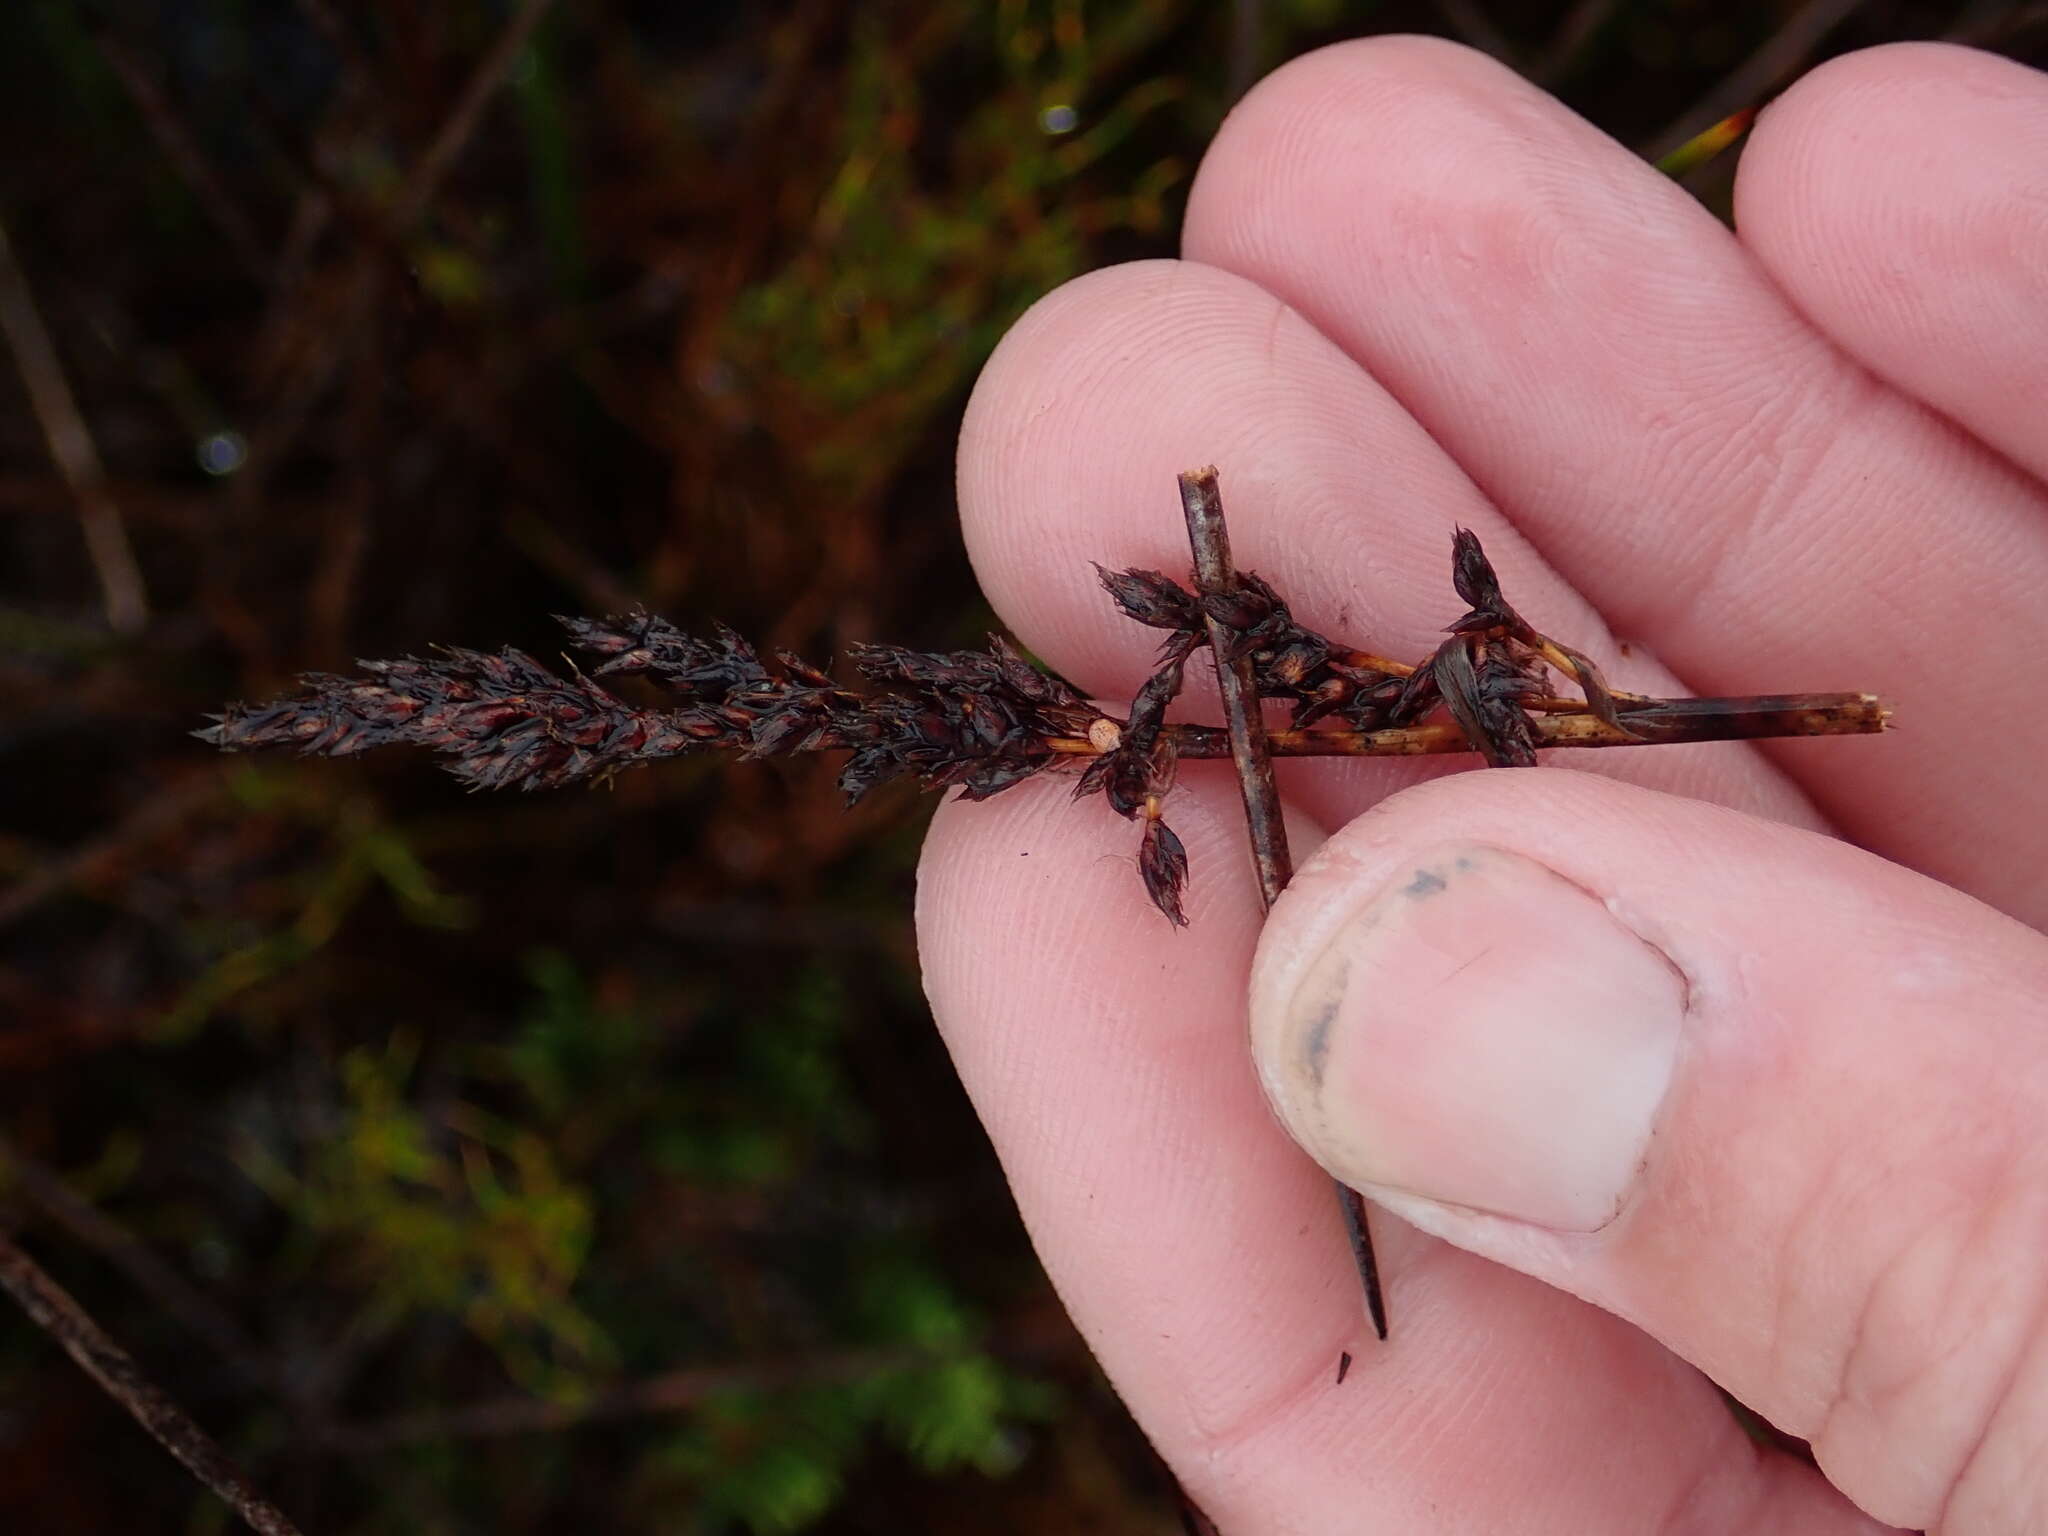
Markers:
{"x": 1702, "y": 147}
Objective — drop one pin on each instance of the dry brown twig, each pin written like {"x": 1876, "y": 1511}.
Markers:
{"x": 1237, "y": 678}
{"x": 53, "y": 1310}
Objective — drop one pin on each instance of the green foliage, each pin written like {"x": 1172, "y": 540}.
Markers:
{"x": 905, "y": 274}
{"x": 430, "y": 1206}
{"x": 953, "y": 1415}
{"x": 442, "y": 1209}
{"x": 774, "y": 1462}
{"x": 770, "y": 1467}
{"x": 568, "y": 1048}
{"x": 364, "y": 853}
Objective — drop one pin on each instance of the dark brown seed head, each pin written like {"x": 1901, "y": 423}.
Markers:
{"x": 1151, "y": 598}
{"x": 1481, "y": 694}
{"x": 503, "y": 719}
{"x": 1286, "y": 667}
{"x": 1472, "y": 573}
{"x": 1241, "y": 609}
{"x": 1095, "y": 776}
{"x": 701, "y": 670}
{"x": 1163, "y": 865}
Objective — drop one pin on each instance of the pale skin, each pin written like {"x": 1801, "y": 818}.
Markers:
{"x": 1416, "y": 292}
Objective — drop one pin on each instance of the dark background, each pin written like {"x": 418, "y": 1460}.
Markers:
{"x": 583, "y": 1160}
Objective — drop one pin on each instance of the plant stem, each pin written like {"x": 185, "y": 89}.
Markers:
{"x": 1245, "y": 732}
{"x": 1653, "y": 722}
{"x": 53, "y": 1310}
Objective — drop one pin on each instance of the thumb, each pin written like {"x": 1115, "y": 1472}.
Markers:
{"x": 1772, "y": 1099}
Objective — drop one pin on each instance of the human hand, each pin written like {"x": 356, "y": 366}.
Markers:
{"x": 1774, "y": 1107}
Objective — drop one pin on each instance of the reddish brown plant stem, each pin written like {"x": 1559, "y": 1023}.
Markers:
{"x": 1245, "y": 730}
{"x": 1656, "y": 722}
{"x": 52, "y": 1309}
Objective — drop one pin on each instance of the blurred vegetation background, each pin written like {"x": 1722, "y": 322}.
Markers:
{"x": 582, "y": 1161}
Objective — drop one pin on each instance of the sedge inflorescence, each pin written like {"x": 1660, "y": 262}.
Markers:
{"x": 984, "y": 721}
